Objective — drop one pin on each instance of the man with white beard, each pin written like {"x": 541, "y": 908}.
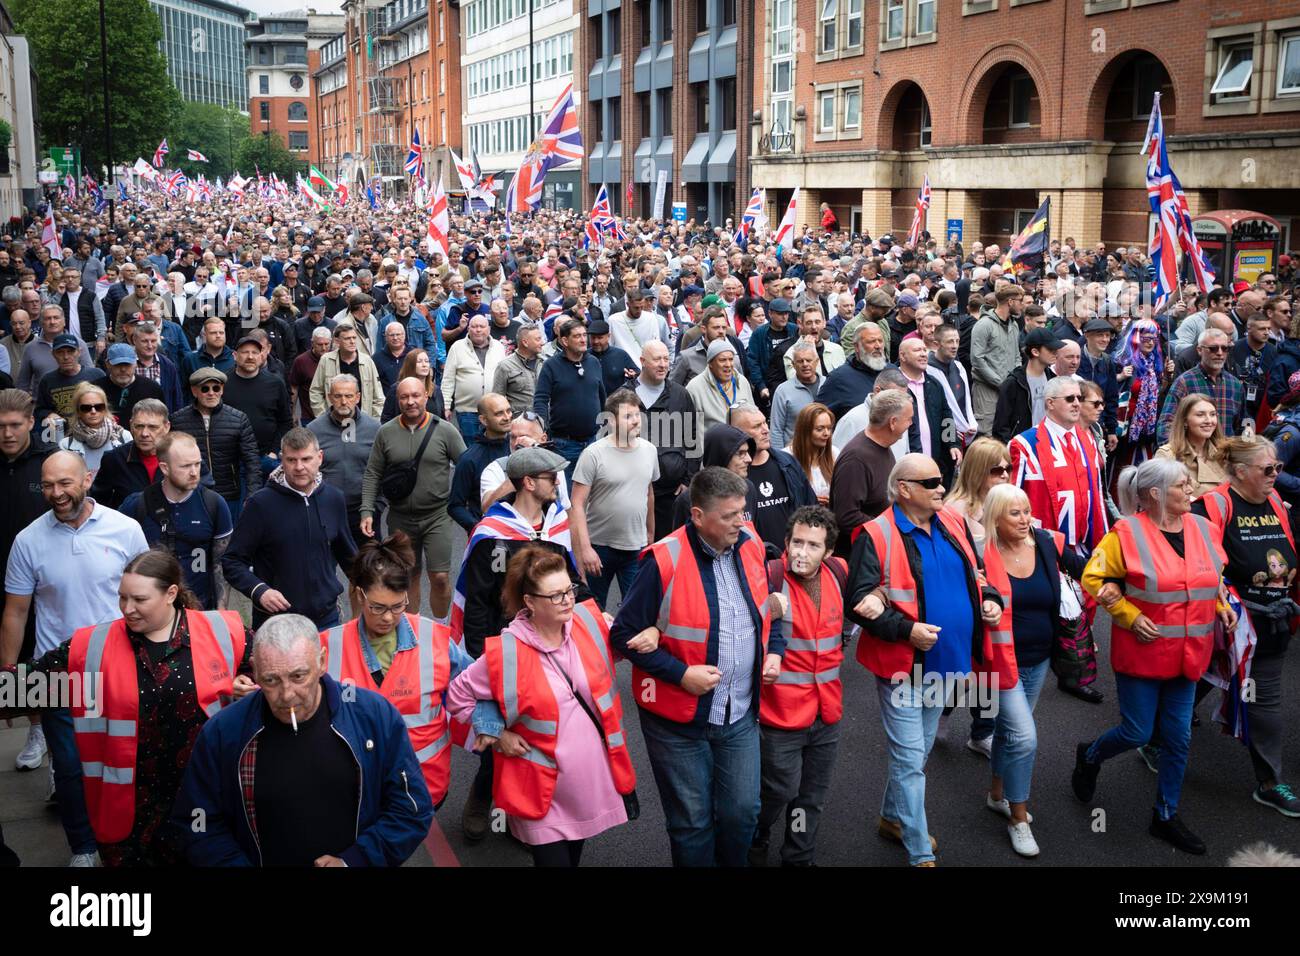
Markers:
{"x": 849, "y": 385}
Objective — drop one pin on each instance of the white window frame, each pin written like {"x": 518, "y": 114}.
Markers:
{"x": 1285, "y": 42}
{"x": 821, "y": 95}
{"x": 916, "y": 18}
{"x": 927, "y": 131}
{"x": 1011, "y": 103}
{"x": 825, "y": 22}
{"x": 847, "y": 93}
{"x": 1242, "y": 91}
{"x": 854, "y": 12}
{"x": 892, "y": 7}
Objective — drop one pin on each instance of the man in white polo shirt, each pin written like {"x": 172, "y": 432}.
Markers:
{"x": 69, "y": 561}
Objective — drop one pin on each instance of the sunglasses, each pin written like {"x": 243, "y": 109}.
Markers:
{"x": 1000, "y": 470}
{"x": 1070, "y": 398}
{"x": 927, "y": 483}
{"x": 1095, "y": 402}
{"x": 97, "y": 407}
{"x": 1217, "y": 348}
{"x": 1270, "y": 470}
{"x": 211, "y": 387}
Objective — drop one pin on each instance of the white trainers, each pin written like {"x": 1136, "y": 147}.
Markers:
{"x": 1002, "y": 807}
{"x": 84, "y": 859}
{"x": 982, "y": 747}
{"x": 1022, "y": 839}
{"x": 33, "y": 753}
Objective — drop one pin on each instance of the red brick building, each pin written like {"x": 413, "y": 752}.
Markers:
{"x": 1007, "y": 102}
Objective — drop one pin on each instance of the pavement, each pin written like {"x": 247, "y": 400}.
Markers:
{"x": 1111, "y": 831}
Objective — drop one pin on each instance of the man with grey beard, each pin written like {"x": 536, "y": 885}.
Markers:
{"x": 848, "y": 386}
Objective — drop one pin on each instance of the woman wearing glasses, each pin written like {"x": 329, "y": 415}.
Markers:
{"x": 986, "y": 465}
{"x": 407, "y": 658}
{"x": 1195, "y": 439}
{"x": 562, "y": 771}
{"x": 1141, "y": 378}
{"x": 1168, "y": 564}
{"x": 92, "y": 431}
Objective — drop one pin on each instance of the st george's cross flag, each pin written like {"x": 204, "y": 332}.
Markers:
{"x": 194, "y": 156}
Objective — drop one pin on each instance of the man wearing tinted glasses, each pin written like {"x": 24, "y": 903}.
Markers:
{"x": 1209, "y": 378}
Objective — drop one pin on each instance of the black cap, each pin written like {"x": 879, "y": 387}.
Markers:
{"x": 247, "y": 340}
{"x": 598, "y": 327}
{"x": 1097, "y": 325}
{"x": 1042, "y": 339}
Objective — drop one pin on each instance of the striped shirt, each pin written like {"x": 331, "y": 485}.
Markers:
{"x": 736, "y": 639}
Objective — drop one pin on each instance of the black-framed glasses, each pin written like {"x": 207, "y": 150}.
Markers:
{"x": 559, "y": 598}
{"x": 1070, "y": 398}
{"x": 379, "y": 610}
{"x": 928, "y": 483}
{"x": 97, "y": 407}
{"x": 1217, "y": 349}
{"x": 1095, "y": 402}
{"x": 528, "y": 415}
{"x": 211, "y": 387}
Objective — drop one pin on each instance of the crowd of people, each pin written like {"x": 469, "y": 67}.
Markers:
{"x": 235, "y": 441}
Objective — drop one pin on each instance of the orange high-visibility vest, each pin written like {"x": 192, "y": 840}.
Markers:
{"x": 414, "y": 684}
{"x": 1004, "y": 650}
{"x": 1218, "y": 509}
{"x": 684, "y": 619}
{"x": 105, "y": 715}
{"x": 809, "y": 685}
{"x": 1177, "y": 594}
{"x": 888, "y": 659}
{"x": 523, "y": 786}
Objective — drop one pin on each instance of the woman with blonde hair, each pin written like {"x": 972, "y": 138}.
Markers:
{"x": 1024, "y": 564}
{"x": 812, "y": 448}
{"x": 1195, "y": 438}
{"x": 92, "y": 431}
{"x": 986, "y": 464}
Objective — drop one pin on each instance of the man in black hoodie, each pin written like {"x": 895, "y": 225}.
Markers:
{"x": 292, "y": 538}
{"x": 727, "y": 447}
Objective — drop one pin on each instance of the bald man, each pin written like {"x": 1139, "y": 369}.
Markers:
{"x": 669, "y": 425}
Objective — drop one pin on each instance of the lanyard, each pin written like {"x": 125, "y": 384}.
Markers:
{"x": 734, "y": 391}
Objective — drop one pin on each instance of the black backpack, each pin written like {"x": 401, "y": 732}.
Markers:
{"x": 157, "y": 507}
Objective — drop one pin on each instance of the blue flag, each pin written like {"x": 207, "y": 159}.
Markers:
{"x": 370, "y": 198}
{"x": 121, "y": 191}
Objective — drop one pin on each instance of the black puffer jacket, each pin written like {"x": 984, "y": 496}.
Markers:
{"x": 679, "y": 459}
{"x": 226, "y": 441}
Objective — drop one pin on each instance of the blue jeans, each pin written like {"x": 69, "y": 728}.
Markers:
{"x": 572, "y": 451}
{"x": 470, "y": 426}
{"x": 68, "y": 784}
{"x": 910, "y": 727}
{"x": 1015, "y": 738}
{"x": 1144, "y": 704}
{"x": 709, "y": 787}
{"x": 614, "y": 563}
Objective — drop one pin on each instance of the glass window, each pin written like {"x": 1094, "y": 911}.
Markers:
{"x": 298, "y": 142}
{"x": 297, "y": 112}
{"x": 702, "y": 107}
{"x": 665, "y": 106}
{"x": 1145, "y": 86}
{"x": 782, "y": 111}
{"x": 894, "y": 19}
{"x": 826, "y": 26}
{"x": 1288, "y": 66}
{"x": 924, "y": 17}
{"x": 1235, "y": 70}
{"x": 781, "y": 77}
{"x": 265, "y": 110}
{"x": 263, "y": 84}
{"x": 826, "y": 111}
{"x": 925, "y": 123}
{"x": 643, "y": 108}
{"x": 665, "y": 20}
{"x": 728, "y": 13}
{"x": 854, "y": 12}
{"x": 614, "y": 128}
{"x": 1022, "y": 90}
{"x": 701, "y": 15}
{"x": 852, "y": 109}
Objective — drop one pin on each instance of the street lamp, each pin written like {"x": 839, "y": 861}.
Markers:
{"x": 108, "y": 125}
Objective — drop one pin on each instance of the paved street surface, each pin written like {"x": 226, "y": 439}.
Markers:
{"x": 1216, "y": 796}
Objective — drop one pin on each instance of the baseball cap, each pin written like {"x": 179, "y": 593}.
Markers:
{"x": 316, "y": 303}
{"x": 247, "y": 340}
{"x": 1042, "y": 338}
{"x": 692, "y": 290}
{"x": 533, "y": 461}
{"x": 1239, "y": 287}
{"x": 66, "y": 340}
{"x": 119, "y": 353}
{"x": 708, "y": 300}
{"x": 908, "y": 301}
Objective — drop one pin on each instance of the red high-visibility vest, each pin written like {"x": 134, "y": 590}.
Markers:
{"x": 1177, "y": 594}
{"x": 414, "y": 684}
{"x": 523, "y": 786}
{"x": 809, "y": 685}
{"x": 888, "y": 659}
{"x": 105, "y": 715}
{"x": 1003, "y": 643}
{"x": 1218, "y": 509}
{"x": 684, "y": 620}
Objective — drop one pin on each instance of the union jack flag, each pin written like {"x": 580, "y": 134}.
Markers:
{"x": 100, "y": 202}
{"x": 70, "y": 186}
{"x": 561, "y": 139}
{"x": 601, "y": 222}
{"x": 1173, "y": 217}
{"x": 918, "y": 217}
{"x": 750, "y": 219}
{"x": 415, "y": 158}
{"x": 174, "y": 183}
{"x": 160, "y": 152}
{"x": 525, "y": 190}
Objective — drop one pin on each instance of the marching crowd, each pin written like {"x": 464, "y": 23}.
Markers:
{"x": 935, "y": 459}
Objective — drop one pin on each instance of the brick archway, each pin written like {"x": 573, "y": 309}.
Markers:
{"x": 889, "y": 110}
{"x": 975, "y": 94}
{"x": 1101, "y": 85}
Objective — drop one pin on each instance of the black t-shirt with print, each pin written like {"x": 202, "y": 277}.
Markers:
{"x": 773, "y": 501}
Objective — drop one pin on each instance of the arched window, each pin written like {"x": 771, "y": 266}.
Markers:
{"x": 297, "y": 112}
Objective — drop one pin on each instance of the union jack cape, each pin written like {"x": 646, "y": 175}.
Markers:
{"x": 503, "y": 523}
{"x": 1057, "y": 499}
{"x": 1230, "y": 669}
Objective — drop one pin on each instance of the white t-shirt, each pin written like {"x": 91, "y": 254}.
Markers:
{"x": 619, "y": 479}
{"x": 494, "y": 476}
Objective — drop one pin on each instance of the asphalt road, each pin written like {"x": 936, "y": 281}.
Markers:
{"x": 1216, "y": 795}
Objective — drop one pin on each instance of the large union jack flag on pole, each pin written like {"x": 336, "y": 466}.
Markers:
{"x": 918, "y": 217}
{"x": 415, "y": 158}
{"x": 561, "y": 140}
{"x": 1173, "y": 218}
{"x": 524, "y": 193}
{"x": 160, "y": 152}
{"x": 751, "y": 219}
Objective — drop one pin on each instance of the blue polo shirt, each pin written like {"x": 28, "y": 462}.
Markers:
{"x": 943, "y": 569}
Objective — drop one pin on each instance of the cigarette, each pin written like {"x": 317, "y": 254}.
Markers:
{"x": 293, "y": 717}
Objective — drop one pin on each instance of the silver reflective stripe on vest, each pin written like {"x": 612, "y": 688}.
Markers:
{"x": 674, "y": 546}
{"x": 547, "y": 727}
{"x": 334, "y": 638}
{"x": 615, "y": 740}
{"x": 1151, "y": 594}
{"x": 787, "y": 621}
{"x": 225, "y": 644}
{"x": 821, "y": 645}
{"x": 805, "y": 677}
{"x": 895, "y": 595}
{"x": 433, "y": 749}
{"x": 94, "y": 665}
{"x": 606, "y": 700}
{"x": 1000, "y": 637}
{"x": 1176, "y": 630}
{"x": 510, "y": 691}
{"x": 98, "y": 771}
{"x": 588, "y": 620}
{"x": 102, "y": 725}
{"x": 1203, "y": 526}
{"x": 537, "y": 757}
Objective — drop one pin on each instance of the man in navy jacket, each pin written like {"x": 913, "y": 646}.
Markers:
{"x": 389, "y": 801}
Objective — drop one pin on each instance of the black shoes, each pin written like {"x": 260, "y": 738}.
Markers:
{"x": 1086, "y": 694}
{"x": 1174, "y": 832}
{"x": 1084, "y": 778}
{"x": 475, "y": 819}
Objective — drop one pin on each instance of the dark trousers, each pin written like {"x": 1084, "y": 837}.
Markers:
{"x": 68, "y": 785}
{"x": 560, "y": 853}
{"x": 797, "y": 767}
{"x": 614, "y": 563}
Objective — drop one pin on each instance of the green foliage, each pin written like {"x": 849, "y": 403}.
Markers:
{"x": 215, "y": 131}
{"x": 65, "y": 43}
{"x": 269, "y": 154}
{"x": 6, "y": 134}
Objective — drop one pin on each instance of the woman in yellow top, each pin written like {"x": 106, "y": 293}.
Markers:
{"x": 1168, "y": 563}
{"x": 1196, "y": 440}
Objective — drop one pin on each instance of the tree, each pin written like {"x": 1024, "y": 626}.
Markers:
{"x": 268, "y": 154}
{"x": 65, "y": 44}
{"x": 215, "y": 131}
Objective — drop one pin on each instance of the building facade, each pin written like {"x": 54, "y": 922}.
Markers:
{"x": 505, "y": 95}
{"x": 203, "y": 41}
{"x": 667, "y": 84}
{"x": 283, "y": 52}
{"x": 393, "y": 69}
{"x": 18, "y": 164}
{"x": 1005, "y": 103}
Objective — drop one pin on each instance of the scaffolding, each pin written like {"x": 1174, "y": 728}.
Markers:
{"x": 382, "y": 107}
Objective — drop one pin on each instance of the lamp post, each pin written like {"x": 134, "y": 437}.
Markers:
{"x": 108, "y": 125}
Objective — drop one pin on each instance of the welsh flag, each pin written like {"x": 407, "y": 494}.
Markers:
{"x": 319, "y": 180}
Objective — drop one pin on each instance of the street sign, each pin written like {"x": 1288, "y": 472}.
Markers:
{"x": 954, "y": 230}
{"x": 67, "y": 159}
{"x": 679, "y": 212}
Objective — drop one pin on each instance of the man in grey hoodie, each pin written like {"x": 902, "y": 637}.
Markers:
{"x": 346, "y": 435}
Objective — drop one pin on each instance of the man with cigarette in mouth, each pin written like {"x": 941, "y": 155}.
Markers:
{"x": 303, "y": 772}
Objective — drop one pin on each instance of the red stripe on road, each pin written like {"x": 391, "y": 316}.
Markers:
{"x": 439, "y": 849}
